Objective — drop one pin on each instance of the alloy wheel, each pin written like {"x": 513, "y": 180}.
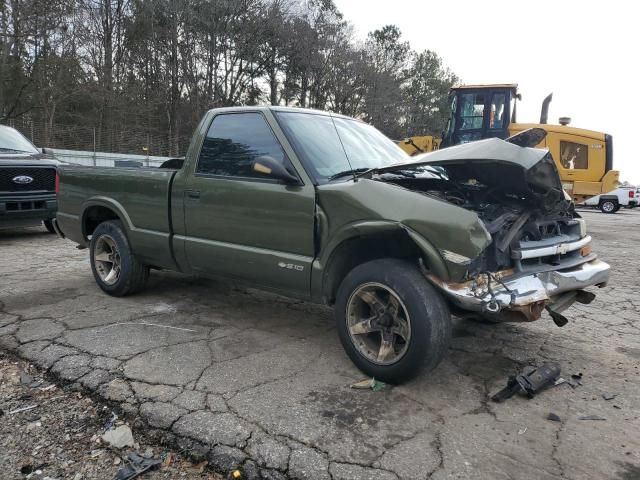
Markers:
{"x": 106, "y": 259}
{"x": 378, "y": 323}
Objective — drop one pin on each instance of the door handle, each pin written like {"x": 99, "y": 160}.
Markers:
{"x": 193, "y": 194}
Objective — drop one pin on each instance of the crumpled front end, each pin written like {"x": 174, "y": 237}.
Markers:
{"x": 538, "y": 255}
{"x": 506, "y": 296}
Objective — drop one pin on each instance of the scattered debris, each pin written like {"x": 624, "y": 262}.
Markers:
{"x": 553, "y": 417}
{"x": 149, "y": 324}
{"x": 111, "y": 422}
{"x": 70, "y": 431}
{"x": 522, "y": 431}
{"x": 119, "y": 437}
{"x": 559, "y": 381}
{"x": 609, "y": 396}
{"x": 96, "y": 453}
{"x": 369, "y": 384}
{"x": 591, "y": 417}
{"x": 169, "y": 459}
{"x": 575, "y": 380}
{"x": 23, "y": 409}
{"x": 137, "y": 465}
{"x": 28, "y": 469}
{"x": 529, "y": 383}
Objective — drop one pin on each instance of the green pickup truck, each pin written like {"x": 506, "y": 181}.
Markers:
{"x": 325, "y": 208}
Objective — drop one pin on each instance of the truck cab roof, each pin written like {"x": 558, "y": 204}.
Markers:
{"x": 274, "y": 108}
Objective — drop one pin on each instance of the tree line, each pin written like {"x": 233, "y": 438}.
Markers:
{"x": 157, "y": 65}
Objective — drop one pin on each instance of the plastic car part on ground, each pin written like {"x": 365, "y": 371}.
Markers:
{"x": 136, "y": 465}
{"x": 369, "y": 384}
{"x": 529, "y": 383}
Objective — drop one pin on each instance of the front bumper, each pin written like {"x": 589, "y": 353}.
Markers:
{"x": 23, "y": 210}
{"x": 525, "y": 297}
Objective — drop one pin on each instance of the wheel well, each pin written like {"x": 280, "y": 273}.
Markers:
{"x": 356, "y": 251}
{"x": 94, "y": 216}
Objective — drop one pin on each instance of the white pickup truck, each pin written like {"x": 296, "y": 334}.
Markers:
{"x": 612, "y": 201}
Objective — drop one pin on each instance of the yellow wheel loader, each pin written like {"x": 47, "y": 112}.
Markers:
{"x": 584, "y": 157}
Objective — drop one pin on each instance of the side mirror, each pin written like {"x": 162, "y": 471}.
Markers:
{"x": 271, "y": 167}
{"x": 48, "y": 151}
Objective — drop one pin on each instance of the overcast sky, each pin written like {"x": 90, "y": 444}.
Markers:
{"x": 587, "y": 53}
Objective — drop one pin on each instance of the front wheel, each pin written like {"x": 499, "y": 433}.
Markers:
{"x": 116, "y": 270}
{"x": 392, "y": 323}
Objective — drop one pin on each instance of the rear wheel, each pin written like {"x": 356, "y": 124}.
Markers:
{"x": 116, "y": 270}
{"x": 392, "y": 323}
{"x": 48, "y": 224}
{"x": 609, "y": 206}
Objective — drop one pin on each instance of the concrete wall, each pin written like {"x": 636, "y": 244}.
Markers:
{"x": 103, "y": 159}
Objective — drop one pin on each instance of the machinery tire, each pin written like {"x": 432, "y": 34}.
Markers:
{"x": 608, "y": 206}
{"x": 116, "y": 270}
{"x": 427, "y": 339}
{"x": 48, "y": 224}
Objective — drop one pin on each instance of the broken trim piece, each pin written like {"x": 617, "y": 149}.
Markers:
{"x": 494, "y": 293}
{"x": 559, "y": 249}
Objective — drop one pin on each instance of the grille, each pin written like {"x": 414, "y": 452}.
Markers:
{"x": 25, "y": 206}
{"x": 44, "y": 179}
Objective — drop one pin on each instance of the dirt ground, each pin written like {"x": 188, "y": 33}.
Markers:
{"x": 243, "y": 379}
{"x": 60, "y": 437}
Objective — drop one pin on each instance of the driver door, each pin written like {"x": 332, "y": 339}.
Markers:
{"x": 240, "y": 223}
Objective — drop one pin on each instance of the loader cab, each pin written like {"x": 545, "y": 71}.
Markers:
{"x": 480, "y": 111}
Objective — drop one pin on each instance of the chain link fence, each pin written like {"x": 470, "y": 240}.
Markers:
{"x": 94, "y": 139}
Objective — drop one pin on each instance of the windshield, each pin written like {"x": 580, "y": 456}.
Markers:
{"x": 330, "y": 145}
{"x": 13, "y": 141}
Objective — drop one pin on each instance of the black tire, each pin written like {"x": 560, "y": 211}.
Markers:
{"x": 133, "y": 274}
{"x": 48, "y": 224}
{"x": 608, "y": 206}
{"x": 428, "y": 315}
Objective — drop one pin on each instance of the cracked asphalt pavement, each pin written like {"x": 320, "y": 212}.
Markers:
{"x": 252, "y": 380}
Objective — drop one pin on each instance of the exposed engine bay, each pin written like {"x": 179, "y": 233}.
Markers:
{"x": 514, "y": 216}
{"x": 540, "y": 254}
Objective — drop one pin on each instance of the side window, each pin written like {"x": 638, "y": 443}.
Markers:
{"x": 496, "y": 115}
{"x": 574, "y": 155}
{"x": 471, "y": 110}
{"x": 234, "y": 141}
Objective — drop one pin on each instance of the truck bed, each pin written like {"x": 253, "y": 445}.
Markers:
{"x": 141, "y": 196}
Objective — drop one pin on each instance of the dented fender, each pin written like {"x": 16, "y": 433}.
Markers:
{"x": 440, "y": 230}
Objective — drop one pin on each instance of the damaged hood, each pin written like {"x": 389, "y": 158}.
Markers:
{"x": 527, "y": 172}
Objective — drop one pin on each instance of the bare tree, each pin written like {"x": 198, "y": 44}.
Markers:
{"x": 154, "y": 66}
